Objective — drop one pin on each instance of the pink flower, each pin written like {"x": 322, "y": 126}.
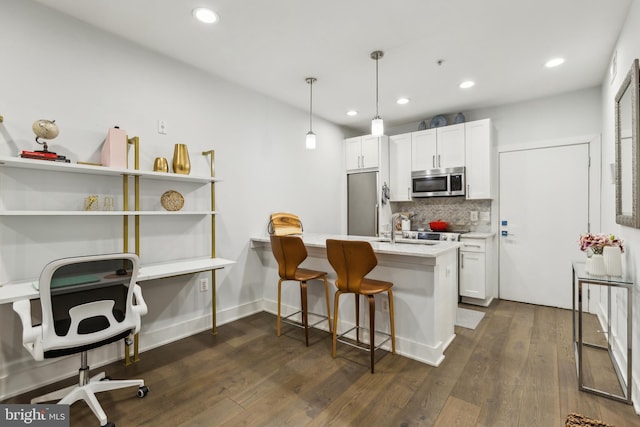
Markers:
{"x": 596, "y": 242}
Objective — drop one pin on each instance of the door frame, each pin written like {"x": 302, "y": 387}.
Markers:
{"x": 595, "y": 179}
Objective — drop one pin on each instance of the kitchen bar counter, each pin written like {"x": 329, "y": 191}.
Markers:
{"x": 425, "y": 278}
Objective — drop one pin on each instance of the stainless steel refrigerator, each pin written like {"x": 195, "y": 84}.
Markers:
{"x": 362, "y": 206}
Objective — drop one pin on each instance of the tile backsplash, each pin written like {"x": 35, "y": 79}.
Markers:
{"x": 455, "y": 210}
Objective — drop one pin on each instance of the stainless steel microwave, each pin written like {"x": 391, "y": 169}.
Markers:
{"x": 438, "y": 182}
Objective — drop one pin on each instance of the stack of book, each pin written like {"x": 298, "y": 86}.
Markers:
{"x": 44, "y": 155}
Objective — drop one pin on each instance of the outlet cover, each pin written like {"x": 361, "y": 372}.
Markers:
{"x": 484, "y": 216}
{"x": 474, "y": 215}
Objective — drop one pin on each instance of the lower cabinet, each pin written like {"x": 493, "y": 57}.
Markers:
{"x": 478, "y": 270}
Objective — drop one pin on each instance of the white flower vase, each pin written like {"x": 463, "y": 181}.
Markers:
{"x": 612, "y": 260}
{"x": 587, "y": 265}
{"x": 597, "y": 267}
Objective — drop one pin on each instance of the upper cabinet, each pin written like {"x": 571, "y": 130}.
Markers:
{"x": 400, "y": 167}
{"x": 362, "y": 152}
{"x": 478, "y": 159}
{"x": 437, "y": 148}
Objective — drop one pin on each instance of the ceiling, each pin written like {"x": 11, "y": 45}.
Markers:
{"x": 272, "y": 46}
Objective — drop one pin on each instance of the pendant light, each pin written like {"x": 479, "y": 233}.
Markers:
{"x": 311, "y": 137}
{"x": 377, "y": 125}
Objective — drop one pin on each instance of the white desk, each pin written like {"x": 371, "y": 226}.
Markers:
{"x": 11, "y": 292}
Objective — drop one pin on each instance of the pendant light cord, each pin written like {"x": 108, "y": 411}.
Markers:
{"x": 310, "y": 104}
{"x": 377, "y": 115}
{"x": 311, "y": 81}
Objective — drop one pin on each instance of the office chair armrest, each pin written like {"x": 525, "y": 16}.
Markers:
{"x": 29, "y": 332}
{"x": 140, "y": 306}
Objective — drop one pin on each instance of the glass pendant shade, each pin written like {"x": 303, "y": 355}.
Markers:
{"x": 377, "y": 126}
{"x": 311, "y": 141}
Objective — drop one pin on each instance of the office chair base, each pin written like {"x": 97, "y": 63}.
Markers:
{"x": 87, "y": 392}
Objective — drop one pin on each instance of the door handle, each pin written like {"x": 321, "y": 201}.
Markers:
{"x": 439, "y": 160}
{"x": 461, "y": 260}
{"x": 433, "y": 161}
{"x": 408, "y": 192}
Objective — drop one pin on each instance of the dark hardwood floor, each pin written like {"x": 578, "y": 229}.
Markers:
{"x": 516, "y": 369}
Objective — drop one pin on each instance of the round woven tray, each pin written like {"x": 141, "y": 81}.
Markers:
{"x": 172, "y": 200}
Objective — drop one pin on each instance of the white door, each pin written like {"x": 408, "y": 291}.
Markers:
{"x": 544, "y": 207}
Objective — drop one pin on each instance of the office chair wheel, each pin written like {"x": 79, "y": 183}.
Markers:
{"x": 143, "y": 391}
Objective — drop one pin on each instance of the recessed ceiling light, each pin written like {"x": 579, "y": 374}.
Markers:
{"x": 554, "y": 62}
{"x": 352, "y": 113}
{"x": 403, "y": 101}
{"x": 467, "y": 84}
{"x": 205, "y": 15}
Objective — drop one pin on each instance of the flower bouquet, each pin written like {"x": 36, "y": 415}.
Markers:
{"x": 594, "y": 245}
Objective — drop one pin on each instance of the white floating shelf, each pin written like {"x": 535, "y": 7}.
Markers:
{"x": 103, "y": 213}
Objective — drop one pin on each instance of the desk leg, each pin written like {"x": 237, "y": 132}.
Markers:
{"x": 136, "y": 355}
{"x": 127, "y": 353}
{"x": 214, "y": 328}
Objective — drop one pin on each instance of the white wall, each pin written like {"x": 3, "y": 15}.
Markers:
{"x": 627, "y": 49}
{"x": 56, "y": 67}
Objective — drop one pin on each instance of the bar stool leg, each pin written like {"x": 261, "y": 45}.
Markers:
{"x": 279, "y": 300}
{"x": 357, "y": 296}
{"x": 391, "y": 322}
{"x": 336, "y": 298}
{"x": 326, "y": 294}
{"x": 305, "y": 314}
{"x": 372, "y": 328}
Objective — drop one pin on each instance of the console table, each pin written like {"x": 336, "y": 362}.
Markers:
{"x": 580, "y": 278}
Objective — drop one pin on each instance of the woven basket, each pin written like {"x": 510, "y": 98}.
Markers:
{"x": 577, "y": 420}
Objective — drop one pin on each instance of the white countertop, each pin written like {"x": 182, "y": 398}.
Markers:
{"x": 382, "y": 246}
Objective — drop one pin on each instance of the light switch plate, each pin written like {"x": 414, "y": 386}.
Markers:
{"x": 484, "y": 216}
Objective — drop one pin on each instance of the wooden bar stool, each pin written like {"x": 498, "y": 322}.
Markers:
{"x": 352, "y": 260}
{"x": 289, "y": 252}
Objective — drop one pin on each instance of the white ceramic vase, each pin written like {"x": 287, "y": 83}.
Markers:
{"x": 612, "y": 260}
{"x": 587, "y": 265}
{"x": 597, "y": 267}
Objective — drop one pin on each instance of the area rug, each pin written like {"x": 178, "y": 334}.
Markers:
{"x": 468, "y": 318}
{"x": 577, "y": 420}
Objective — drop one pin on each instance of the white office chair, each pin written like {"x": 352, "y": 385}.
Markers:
{"x": 87, "y": 302}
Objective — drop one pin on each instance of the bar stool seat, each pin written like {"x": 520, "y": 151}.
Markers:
{"x": 289, "y": 251}
{"x": 353, "y": 260}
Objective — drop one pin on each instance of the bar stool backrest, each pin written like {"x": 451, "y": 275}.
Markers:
{"x": 352, "y": 260}
{"x": 289, "y": 252}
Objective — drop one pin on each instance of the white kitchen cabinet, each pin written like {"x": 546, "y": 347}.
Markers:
{"x": 477, "y": 269}
{"x": 362, "y": 152}
{"x": 400, "y": 167}
{"x": 478, "y": 159}
{"x": 436, "y": 148}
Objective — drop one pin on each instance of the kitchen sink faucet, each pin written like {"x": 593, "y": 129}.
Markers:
{"x": 394, "y": 218}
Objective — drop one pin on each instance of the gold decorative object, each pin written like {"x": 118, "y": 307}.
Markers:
{"x": 160, "y": 164}
{"x": 91, "y": 203}
{"x": 172, "y": 200}
{"x": 181, "y": 163}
